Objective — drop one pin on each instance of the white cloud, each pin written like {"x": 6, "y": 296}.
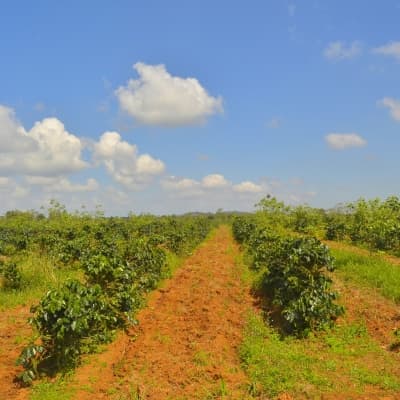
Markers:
{"x": 341, "y": 141}
{"x": 176, "y": 183}
{"x": 41, "y": 180}
{"x": 393, "y": 105}
{"x": 214, "y": 181}
{"x": 47, "y": 149}
{"x": 147, "y": 165}
{"x": 4, "y": 181}
{"x": 123, "y": 163}
{"x": 247, "y": 187}
{"x": 182, "y": 187}
{"x": 63, "y": 185}
{"x": 10, "y": 189}
{"x": 13, "y": 137}
{"x": 339, "y": 51}
{"x": 20, "y": 192}
{"x": 59, "y": 151}
{"x": 391, "y": 49}
{"x": 211, "y": 192}
{"x": 158, "y": 98}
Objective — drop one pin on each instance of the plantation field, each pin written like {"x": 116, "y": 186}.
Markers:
{"x": 198, "y": 307}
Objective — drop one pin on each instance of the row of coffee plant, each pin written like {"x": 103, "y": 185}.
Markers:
{"x": 120, "y": 259}
{"x": 374, "y": 224}
{"x": 293, "y": 273}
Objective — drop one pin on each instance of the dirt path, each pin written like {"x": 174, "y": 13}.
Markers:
{"x": 186, "y": 341}
{"x": 14, "y": 331}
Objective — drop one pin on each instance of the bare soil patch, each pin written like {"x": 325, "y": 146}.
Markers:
{"x": 14, "y": 329}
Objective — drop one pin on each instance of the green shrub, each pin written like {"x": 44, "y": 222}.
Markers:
{"x": 12, "y": 278}
{"x": 296, "y": 282}
{"x": 69, "y": 321}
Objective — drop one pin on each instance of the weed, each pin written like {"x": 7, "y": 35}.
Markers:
{"x": 201, "y": 358}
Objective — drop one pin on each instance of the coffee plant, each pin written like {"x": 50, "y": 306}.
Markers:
{"x": 12, "y": 278}
{"x": 296, "y": 282}
{"x": 70, "y": 321}
{"x": 121, "y": 258}
{"x": 293, "y": 275}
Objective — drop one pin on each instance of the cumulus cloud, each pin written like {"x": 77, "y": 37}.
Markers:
{"x": 393, "y": 105}
{"x": 47, "y": 149}
{"x": 341, "y": 141}
{"x": 41, "y": 180}
{"x": 214, "y": 181}
{"x": 158, "y": 98}
{"x": 247, "y": 187}
{"x": 123, "y": 162}
{"x": 182, "y": 187}
{"x": 59, "y": 151}
{"x": 176, "y": 183}
{"x": 13, "y": 137}
{"x": 340, "y": 51}
{"x": 64, "y": 185}
{"x": 61, "y": 184}
{"x": 10, "y": 189}
{"x": 391, "y": 49}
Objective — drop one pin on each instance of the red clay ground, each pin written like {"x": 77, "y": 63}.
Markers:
{"x": 14, "y": 331}
{"x": 185, "y": 346}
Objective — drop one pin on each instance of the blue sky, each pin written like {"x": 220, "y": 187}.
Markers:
{"x": 167, "y": 107}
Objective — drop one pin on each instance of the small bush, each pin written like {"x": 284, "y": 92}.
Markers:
{"x": 12, "y": 278}
{"x": 296, "y": 282}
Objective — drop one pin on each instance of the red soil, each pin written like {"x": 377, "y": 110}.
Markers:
{"x": 14, "y": 330}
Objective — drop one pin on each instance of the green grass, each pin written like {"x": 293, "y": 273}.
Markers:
{"x": 58, "y": 390}
{"x": 38, "y": 275}
{"x": 370, "y": 271}
{"x": 343, "y": 360}
{"x": 173, "y": 263}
